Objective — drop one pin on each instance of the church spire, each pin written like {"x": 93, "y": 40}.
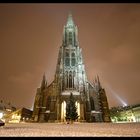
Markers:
{"x": 43, "y": 83}
{"x": 70, "y": 20}
{"x": 98, "y": 81}
{"x": 70, "y": 32}
{"x": 95, "y": 80}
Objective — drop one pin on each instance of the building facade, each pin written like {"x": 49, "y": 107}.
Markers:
{"x": 20, "y": 115}
{"x": 5, "y": 109}
{"x": 129, "y": 113}
{"x": 70, "y": 77}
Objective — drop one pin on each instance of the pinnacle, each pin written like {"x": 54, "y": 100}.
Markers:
{"x": 70, "y": 20}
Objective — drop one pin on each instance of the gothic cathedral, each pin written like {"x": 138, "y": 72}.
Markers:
{"x": 70, "y": 77}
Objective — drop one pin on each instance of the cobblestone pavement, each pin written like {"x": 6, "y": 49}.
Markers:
{"x": 72, "y": 130}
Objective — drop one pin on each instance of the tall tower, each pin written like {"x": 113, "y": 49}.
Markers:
{"x": 70, "y": 77}
{"x": 70, "y": 67}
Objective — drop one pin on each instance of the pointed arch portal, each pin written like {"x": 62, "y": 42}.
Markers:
{"x": 63, "y": 110}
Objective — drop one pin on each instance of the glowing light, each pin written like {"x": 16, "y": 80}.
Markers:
{"x": 118, "y": 97}
{"x": 63, "y": 110}
{"x": 1, "y": 115}
{"x": 78, "y": 108}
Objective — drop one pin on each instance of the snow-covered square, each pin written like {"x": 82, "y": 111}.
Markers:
{"x": 71, "y": 130}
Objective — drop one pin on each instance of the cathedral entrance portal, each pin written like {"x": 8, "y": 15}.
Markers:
{"x": 63, "y": 110}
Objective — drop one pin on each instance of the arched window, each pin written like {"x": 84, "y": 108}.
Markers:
{"x": 73, "y": 61}
{"x": 73, "y": 79}
{"x": 70, "y": 34}
{"x": 73, "y": 55}
{"x": 70, "y": 79}
{"x": 70, "y": 37}
{"x": 67, "y": 54}
{"x": 67, "y": 61}
{"x": 73, "y": 73}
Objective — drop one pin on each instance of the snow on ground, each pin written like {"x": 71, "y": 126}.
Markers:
{"x": 72, "y": 130}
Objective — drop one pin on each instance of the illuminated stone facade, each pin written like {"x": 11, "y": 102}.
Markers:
{"x": 20, "y": 115}
{"x": 70, "y": 77}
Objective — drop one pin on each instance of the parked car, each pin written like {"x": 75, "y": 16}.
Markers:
{"x": 2, "y": 123}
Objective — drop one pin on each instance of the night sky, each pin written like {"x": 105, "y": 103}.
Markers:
{"x": 31, "y": 35}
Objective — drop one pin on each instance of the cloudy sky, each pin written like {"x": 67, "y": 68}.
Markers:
{"x": 31, "y": 35}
